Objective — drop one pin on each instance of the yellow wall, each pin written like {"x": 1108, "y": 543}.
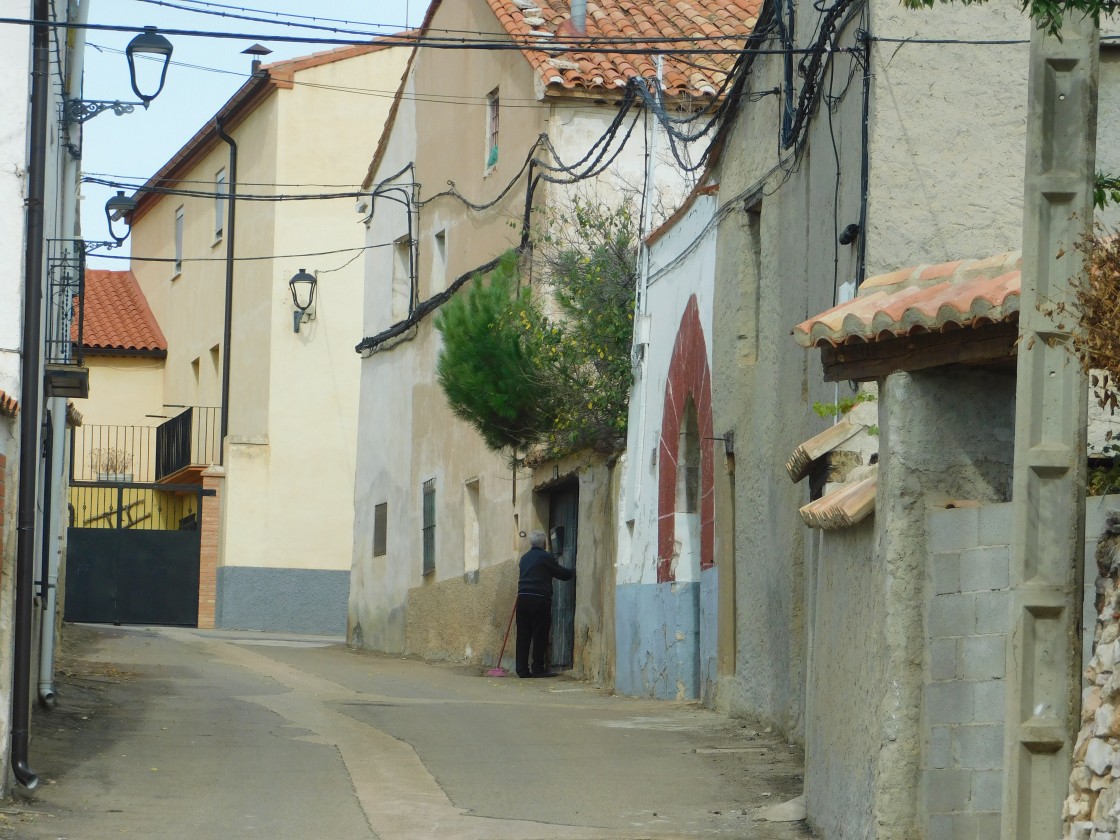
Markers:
{"x": 148, "y": 510}
{"x": 288, "y": 496}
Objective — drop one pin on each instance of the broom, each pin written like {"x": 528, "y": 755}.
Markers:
{"x": 500, "y": 671}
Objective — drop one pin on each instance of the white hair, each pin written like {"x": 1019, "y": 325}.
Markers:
{"x": 536, "y": 539}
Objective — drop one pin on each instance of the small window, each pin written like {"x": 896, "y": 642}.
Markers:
{"x": 439, "y": 262}
{"x": 220, "y": 198}
{"x": 492, "y": 109}
{"x": 179, "y": 241}
{"x": 380, "y": 526}
{"x": 402, "y": 278}
{"x": 471, "y": 553}
{"x": 429, "y": 529}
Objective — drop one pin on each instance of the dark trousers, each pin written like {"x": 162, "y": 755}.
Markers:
{"x": 534, "y": 620}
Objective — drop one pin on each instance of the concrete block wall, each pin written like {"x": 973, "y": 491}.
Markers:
{"x": 966, "y": 618}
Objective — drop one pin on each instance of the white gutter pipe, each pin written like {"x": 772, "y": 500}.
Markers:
{"x": 56, "y": 541}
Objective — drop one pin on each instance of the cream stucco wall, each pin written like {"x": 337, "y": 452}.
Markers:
{"x": 124, "y": 390}
{"x": 407, "y": 433}
{"x": 288, "y": 497}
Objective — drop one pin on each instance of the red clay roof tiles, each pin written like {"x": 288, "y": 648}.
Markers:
{"x": 117, "y": 315}
{"x": 925, "y": 298}
{"x": 9, "y": 406}
{"x": 729, "y": 22}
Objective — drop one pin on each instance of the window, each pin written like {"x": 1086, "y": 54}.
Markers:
{"x": 380, "y": 526}
{"x": 429, "y": 529}
{"x": 195, "y": 369}
{"x": 439, "y": 262}
{"x": 220, "y": 193}
{"x": 750, "y": 292}
{"x": 179, "y": 241}
{"x": 471, "y": 551}
{"x": 402, "y": 278}
{"x": 492, "y": 108}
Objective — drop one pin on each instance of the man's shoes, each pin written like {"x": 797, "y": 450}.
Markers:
{"x": 544, "y": 674}
{"x": 524, "y": 674}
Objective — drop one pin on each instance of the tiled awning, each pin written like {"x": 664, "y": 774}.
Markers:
{"x": 9, "y": 406}
{"x": 913, "y": 318}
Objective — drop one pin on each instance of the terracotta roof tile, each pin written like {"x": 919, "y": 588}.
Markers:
{"x": 728, "y": 21}
{"x": 117, "y": 315}
{"x": 925, "y": 298}
{"x": 9, "y": 406}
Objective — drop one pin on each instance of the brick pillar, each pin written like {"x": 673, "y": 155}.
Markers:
{"x": 210, "y": 554}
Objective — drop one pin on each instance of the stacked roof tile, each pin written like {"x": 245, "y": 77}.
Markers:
{"x": 926, "y": 298}
{"x": 117, "y": 316}
{"x": 9, "y": 406}
{"x": 543, "y": 30}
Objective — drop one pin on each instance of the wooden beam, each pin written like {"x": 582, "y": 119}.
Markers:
{"x": 861, "y": 362}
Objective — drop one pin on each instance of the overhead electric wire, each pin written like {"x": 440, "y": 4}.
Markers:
{"x": 589, "y": 46}
{"x": 133, "y": 257}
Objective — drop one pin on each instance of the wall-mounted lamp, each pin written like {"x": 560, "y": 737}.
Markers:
{"x": 147, "y": 43}
{"x": 303, "y": 296}
{"x": 849, "y": 234}
{"x": 120, "y": 207}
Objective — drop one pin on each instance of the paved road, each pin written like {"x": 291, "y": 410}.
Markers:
{"x": 168, "y": 733}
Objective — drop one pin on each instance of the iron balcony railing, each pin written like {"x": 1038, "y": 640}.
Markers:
{"x": 190, "y": 438}
{"x": 112, "y": 453}
{"x": 63, "y": 337}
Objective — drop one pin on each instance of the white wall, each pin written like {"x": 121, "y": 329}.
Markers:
{"x": 671, "y": 284}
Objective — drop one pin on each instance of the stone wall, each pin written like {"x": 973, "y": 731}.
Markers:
{"x": 966, "y": 619}
{"x": 1092, "y": 810}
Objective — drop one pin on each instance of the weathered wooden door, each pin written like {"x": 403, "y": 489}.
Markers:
{"x": 563, "y": 519}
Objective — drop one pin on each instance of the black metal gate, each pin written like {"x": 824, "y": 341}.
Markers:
{"x": 132, "y": 553}
{"x": 563, "y": 518}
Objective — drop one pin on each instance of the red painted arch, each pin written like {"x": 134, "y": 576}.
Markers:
{"x": 688, "y": 374}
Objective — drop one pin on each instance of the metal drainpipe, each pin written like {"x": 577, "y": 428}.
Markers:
{"x": 228, "y": 331}
{"x": 29, "y": 396}
{"x": 57, "y": 407}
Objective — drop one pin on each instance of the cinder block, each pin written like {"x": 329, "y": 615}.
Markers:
{"x": 993, "y": 612}
{"x": 988, "y": 701}
{"x": 948, "y": 790}
{"x": 957, "y": 827}
{"x": 978, "y": 747}
{"x": 997, "y": 524}
{"x": 982, "y": 657}
{"x": 946, "y": 569}
{"x": 950, "y": 702}
{"x": 987, "y": 825}
{"x": 952, "y": 615}
{"x": 954, "y": 529}
{"x": 941, "y": 827}
{"x": 984, "y": 568}
{"x": 940, "y": 747}
{"x": 987, "y": 792}
{"x": 943, "y": 659}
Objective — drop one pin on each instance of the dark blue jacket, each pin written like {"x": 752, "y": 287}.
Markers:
{"x": 538, "y": 568}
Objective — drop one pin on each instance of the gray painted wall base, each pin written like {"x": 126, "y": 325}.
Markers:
{"x": 661, "y": 648}
{"x": 283, "y": 600}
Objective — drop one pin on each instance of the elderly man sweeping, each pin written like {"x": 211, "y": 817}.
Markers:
{"x": 534, "y": 604}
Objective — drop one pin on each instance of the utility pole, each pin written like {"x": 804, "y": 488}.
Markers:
{"x": 1043, "y": 669}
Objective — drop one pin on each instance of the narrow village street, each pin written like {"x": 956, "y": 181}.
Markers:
{"x": 176, "y": 733}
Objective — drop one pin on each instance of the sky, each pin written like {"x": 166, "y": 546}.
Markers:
{"x": 138, "y": 144}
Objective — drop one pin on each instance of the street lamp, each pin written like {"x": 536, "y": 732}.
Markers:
{"x": 147, "y": 43}
{"x": 119, "y": 206}
{"x": 303, "y": 295}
